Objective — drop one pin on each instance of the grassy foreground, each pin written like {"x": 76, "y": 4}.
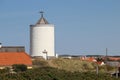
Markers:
{"x": 72, "y": 65}
{"x": 58, "y": 69}
{"x": 48, "y": 73}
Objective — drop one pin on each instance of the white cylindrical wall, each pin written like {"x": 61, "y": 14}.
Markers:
{"x": 42, "y": 38}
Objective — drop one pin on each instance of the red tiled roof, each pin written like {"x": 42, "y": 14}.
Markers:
{"x": 114, "y": 58}
{"x": 10, "y": 58}
{"x": 91, "y": 59}
{"x": 100, "y": 62}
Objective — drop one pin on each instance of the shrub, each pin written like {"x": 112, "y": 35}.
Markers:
{"x": 19, "y": 67}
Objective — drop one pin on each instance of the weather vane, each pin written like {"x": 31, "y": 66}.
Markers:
{"x": 41, "y": 12}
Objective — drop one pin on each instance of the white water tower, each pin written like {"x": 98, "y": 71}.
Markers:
{"x": 42, "y": 38}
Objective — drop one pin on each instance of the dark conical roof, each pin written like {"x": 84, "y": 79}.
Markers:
{"x": 42, "y": 20}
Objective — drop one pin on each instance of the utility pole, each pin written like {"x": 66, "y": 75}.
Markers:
{"x": 106, "y": 57}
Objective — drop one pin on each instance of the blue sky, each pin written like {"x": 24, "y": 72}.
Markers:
{"x": 81, "y": 26}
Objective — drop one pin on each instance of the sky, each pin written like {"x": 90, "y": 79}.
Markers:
{"x": 82, "y": 27}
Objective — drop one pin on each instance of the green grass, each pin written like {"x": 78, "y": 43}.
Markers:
{"x": 72, "y": 65}
{"x": 60, "y": 69}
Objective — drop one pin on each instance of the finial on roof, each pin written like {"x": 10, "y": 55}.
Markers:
{"x": 42, "y": 20}
{"x": 41, "y": 12}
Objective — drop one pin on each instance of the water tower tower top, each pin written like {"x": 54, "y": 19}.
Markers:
{"x": 42, "y": 20}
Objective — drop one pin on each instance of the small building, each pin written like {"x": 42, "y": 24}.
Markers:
{"x": 100, "y": 63}
{"x": 10, "y": 55}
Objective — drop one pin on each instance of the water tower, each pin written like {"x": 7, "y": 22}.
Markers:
{"x": 42, "y": 38}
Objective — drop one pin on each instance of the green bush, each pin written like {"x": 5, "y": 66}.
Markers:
{"x": 19, "y": 67}
{"x": 49, "y": 73}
